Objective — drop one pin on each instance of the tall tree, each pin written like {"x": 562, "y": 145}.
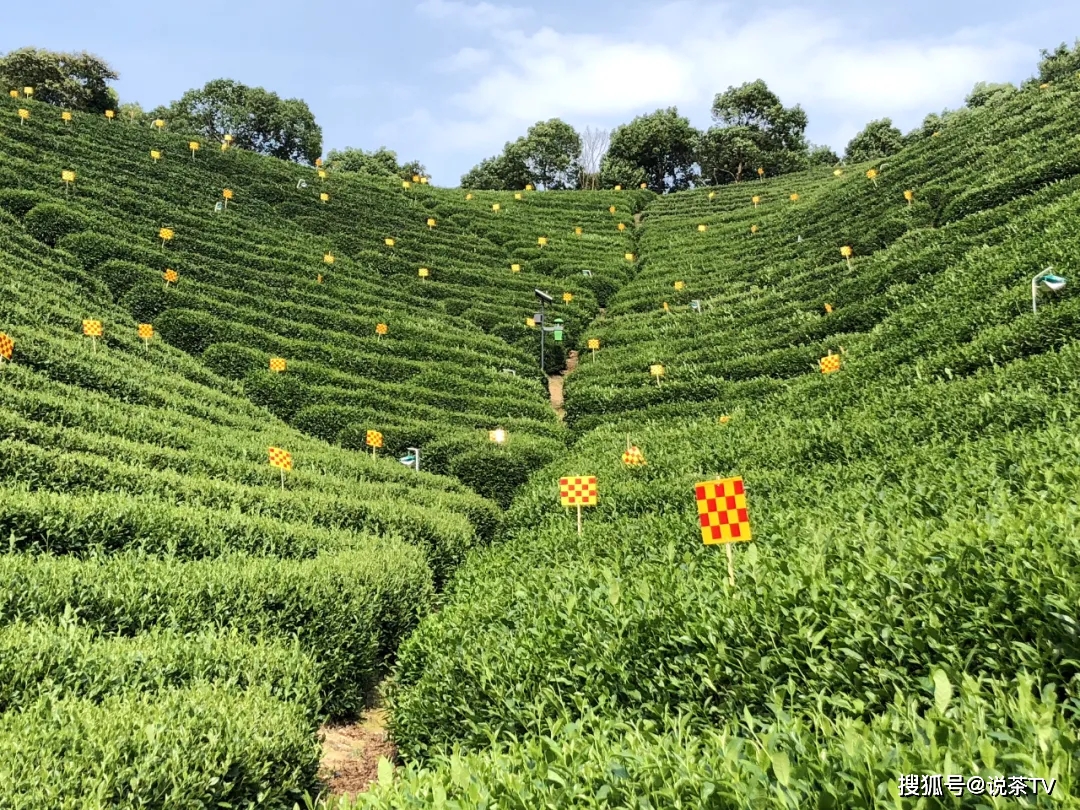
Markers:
{"x": 661, "y": 145}
{"x": 1060, "y": 63}
{"x": 552, "y": 150}
{"x": 257, "y": 118}
{"x": 76, "y": 81}
{"x": 878, "y": 139}
{"x": 381, "y": 162}
{"x": 753, "y": 130}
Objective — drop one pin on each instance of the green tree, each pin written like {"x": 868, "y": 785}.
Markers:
{"x": 820, "y": 155}
{"x": 661, "y": 144}
{"x": 1060, "y": 63}
{"x": 552, "y": 151}
{"x": 984, "y": 93}
{"x": 258, "y": 119}
{"x": 755, "y": 106}
{"x": 381, "y": 162}
{"x": 754, "y": 130}
{"x": 878, "y": 139}
{"x": 75, "y": 81}
{"x": 510, "y": 170}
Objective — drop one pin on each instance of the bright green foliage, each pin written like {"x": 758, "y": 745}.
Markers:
{"x": 906, "y": 605}
{"x": 74, "y": 81}
{"x": 877, "y": 140}
{"x": 257, "y": 119}
{"x": 660, "y": 144}
{"x": 547, "y": 155}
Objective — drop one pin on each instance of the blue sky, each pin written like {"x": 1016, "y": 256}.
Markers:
{"x": 449, "y": 81}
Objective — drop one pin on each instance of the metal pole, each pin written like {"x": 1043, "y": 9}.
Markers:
{"x": 543, "y": 328}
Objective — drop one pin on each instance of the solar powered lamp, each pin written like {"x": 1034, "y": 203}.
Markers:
{"x": 1045, "y": 280}
{"x": 498, "y": 436}
{"x": 557, "y": 330}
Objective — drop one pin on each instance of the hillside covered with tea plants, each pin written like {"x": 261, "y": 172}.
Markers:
{"x": 178, "y": 617}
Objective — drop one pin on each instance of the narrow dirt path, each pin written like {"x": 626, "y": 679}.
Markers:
{"x": 351, "y": 753}
{"x": 555, "y": 385}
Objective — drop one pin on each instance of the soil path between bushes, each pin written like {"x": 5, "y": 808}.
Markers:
{"x": 351, "y": 753}
{"x": 555, "y": 385}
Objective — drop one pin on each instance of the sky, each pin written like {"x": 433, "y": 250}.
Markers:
{"x": 448, "y": 82}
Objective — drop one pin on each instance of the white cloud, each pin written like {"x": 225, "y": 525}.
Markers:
{"x": 682, "y": 53}
{"x": 477, "y": 15}
{"x": 465, "y": 59}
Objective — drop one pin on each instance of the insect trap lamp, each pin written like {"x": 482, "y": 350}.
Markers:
{"x": 1045, "y": 280}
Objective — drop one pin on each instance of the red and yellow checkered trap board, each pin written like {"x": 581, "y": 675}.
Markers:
{"x": 722, "y": 511}
{"x": 280, "y": 458}
{"x": 578, "y": 491}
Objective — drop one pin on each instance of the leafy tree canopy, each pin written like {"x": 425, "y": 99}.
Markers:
{"x": 1059, "y": 63}
{"x": 662, "y": 145}
{"x": 382, "y": 161}
{"x": 547, "y": 155}
{"x": 258, "y": 119}
{"x": 984, "y": 93}
{"x": 754, "y": 130}
{"x": 75, "y": 81}
{"x": 878, "y": 139}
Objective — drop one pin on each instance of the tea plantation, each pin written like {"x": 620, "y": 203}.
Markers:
{"x": 177, "y": 617}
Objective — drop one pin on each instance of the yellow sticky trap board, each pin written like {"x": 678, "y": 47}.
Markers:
{"x": 722, "y": 512}
{"x": 594, "y": 343}
{"x": 829, "y": 364}
{"x": 146, "y": 331}
{"x": 628, "y": 256}
{"x": 621, "y": 226}
{"x": 567, "y": 297}
{"x": 280, "y": 458}
{"x": 578, "y": 490}
{"x": 405, "y": 184}
{"x": 92, "y": 328}
{"x": 65, "y": 116}
{"x": 680, "y": 285}
{"x": 7, "y": 346}
{"x": 381, "y": 329}
{"x": 324, "y": 197}
{"x": 328, "y": 258}
{"x": 374, "y": 438}
{"x": 633, "y": 457}
{"x": 277, "y": 364}
{"x": 541, "y": 240}
{"x": 517, "y": 196}
{"x": 155, "y": 154}
{"x": 67, "y": 176}
{"x": 515, "y": 268}
{"x": 495, "y": 207}
{"x": 227, "y": 193}
{"x": 165, "y": 234}
{"x": 530, "y": 322}
{"x": 170, "y": 276}
{"x": 431, "y": 222}
{"x": 468, "y": 196}
{"x": 388, "y": 241}
{"x": 577, "y": 230}
{"x": 794, "y": 198}
{"x": 702, "y": 228}
{"x": 656, "y": 369}
{"x": 528, "y": 186}
{"x": 422, "y": 272}
{"x": 318, "y": 161}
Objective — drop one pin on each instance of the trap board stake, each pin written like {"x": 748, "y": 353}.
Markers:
{"x": 282, "y": 471}
{"x": 579, "y": 520}
{"x": 730, "y": 564}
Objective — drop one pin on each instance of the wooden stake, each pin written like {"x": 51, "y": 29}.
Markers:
{"x": 282, "y": 471}
{"x": 579, "y": 520}
{"x": 730, "y": 565}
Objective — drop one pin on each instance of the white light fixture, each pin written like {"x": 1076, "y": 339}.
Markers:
{"x": 1048, "y": 281}
{"x": 498, "y": 435}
